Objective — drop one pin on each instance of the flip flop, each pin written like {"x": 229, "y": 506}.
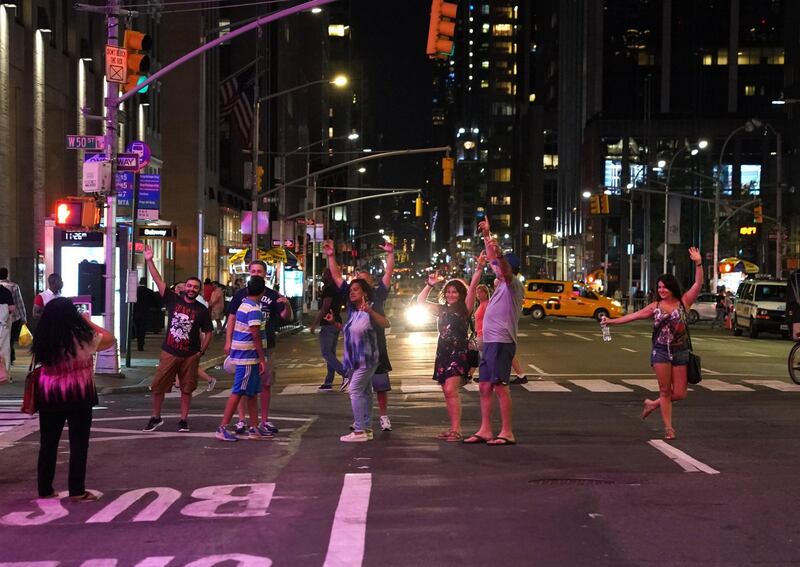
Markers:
{"x": 474, "y": 439}
{"x": 500, "y": 441}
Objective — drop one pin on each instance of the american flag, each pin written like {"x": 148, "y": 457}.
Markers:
{"x": 235, "y": 100}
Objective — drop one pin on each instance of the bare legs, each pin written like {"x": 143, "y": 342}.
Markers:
{"x": 452, "y": 398}
{"x": 504, "y": 401}
{"x": 671, "y": 387}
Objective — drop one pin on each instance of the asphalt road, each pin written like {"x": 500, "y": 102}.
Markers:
{"x": 588, "y": 483}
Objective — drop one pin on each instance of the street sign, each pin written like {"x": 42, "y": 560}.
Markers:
{"x": 142, "y": 150}
{"x": 149, "y": 196}
{"x": 78, "y": 142}
{"x": 128, "y": 162}
{"x": 116, "y": 64}
{"x": 774, "y": 236}
{"x": 124, "y": 187}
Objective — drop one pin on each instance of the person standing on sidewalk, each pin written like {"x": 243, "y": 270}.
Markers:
{"x": 499, "y": 343}
{"x": 64, "y": 345}
{"x": 189, "y": 332}
{"x": 329, "y": 330}
{"x": 54, "y": 286}
{"x": 7, "y": 311}
{"x": 276, "y": 308}
{"x": 249, "y": 358}
{"x": 20, "y": 317}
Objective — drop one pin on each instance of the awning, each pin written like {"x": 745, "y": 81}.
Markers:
{"x": 733, "y": 264}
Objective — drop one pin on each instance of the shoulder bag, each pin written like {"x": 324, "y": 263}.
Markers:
{"x": 693, "y": 368}
{"x": 473, "y": 354}
{"x": 29, "y": 404}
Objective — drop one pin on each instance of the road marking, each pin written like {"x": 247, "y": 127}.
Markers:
{"x": 419, "y": 387}
{"x": 628, "y": 349}
{"x": 391, "y": 336}
{"x": 720, "y": 386}
{"x": 628, "y": 336}
{"x": 545, "y": 387}
{"x": 348, "y": 533}
{"x": 686, "y": 462}
{"x": 223, "y": 394}
{"x": 538, "y": 370}
{"x": 576, "y": 335}
{"x": 755, "y": 354}
{"x": 712, "y": 372}
{"x": 300, "y": 389}
{"x": 549, "y": 334}
{"x": 472, "y": 387}
{"x": 522, "y": 334}
{"x": 775, "y": 385}
{"x": 600, "y": 386}
{"x": 650, "y": 385}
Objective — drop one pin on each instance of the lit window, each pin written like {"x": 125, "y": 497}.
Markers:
{"x": 507, "y": 87}
{"x": 485, "y": 64}
{"x": 501, "y": 175}
{"x": 338, "y": 30}
{"x": 485, "y": 9}
{"x": 749, "y": 90}
{"x": 506, "y": 47}
{"x": 532, "y": 97}
{"x": 550, "y": 161}
{"x": 503, "y": 30}
{"x": 485, "y": 28}
{"x": 330, "y": 132}
{"x": 707, "y": 59}
{"x": 501, "y": 221}
{"x": 722, "y": 57}
{"x": 484, "y": 84}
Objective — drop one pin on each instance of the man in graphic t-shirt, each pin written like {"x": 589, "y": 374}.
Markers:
{"x": 188, "y": 334}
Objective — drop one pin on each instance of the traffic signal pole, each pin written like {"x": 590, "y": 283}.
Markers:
{"x": 108, "y": 361}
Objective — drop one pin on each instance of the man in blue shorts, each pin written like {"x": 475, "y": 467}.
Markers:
{"x": 247, "y": 354}
{"x": 499, "y": 343}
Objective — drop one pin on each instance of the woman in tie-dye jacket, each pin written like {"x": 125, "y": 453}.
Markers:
{"x": 64, "y": 346}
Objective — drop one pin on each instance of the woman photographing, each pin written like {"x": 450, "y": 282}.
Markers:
{"x": 670, "y": 351}
{"x": 64, "y": 345}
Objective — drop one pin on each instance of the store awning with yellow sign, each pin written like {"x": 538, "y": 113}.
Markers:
{"x": 733, "y": 264}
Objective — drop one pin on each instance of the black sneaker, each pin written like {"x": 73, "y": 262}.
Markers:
{"x": 325, "y": 388}
{"x": 520, "y": 380}
{"x": 153, "y": 424}
{"x": 183, "y": 426}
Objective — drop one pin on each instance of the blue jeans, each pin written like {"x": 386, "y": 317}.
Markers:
{"x": 361, "y": 397}
{"x": 328, "y": 337}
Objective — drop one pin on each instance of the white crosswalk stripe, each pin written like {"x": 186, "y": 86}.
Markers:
{"x": 601, "y": 386}
{"x": 775, "y": 385}
{"x": 11, "y": 417}
{"x": 721, "y": 386}
{"x": 650, "y": 385}
{"x": 545, "y": 386}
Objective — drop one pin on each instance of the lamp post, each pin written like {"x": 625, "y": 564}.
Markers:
{"x": 693, "y": 150}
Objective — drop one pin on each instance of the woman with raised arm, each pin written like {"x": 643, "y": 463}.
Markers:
{"x": 451, "y": 369}
{"x": 670, "y": 351}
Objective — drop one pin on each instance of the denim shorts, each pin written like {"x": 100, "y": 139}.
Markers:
{"x": 661, "y": 355}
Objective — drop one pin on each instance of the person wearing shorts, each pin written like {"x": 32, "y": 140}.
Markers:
{"x": 247, "y": 354}
{"x": 189, "y": 332}
{"x": 499, "y": 343}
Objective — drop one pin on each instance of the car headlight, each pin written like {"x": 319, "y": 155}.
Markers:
{"x": 616, "y": 303}
{"x": 417, "y": 316}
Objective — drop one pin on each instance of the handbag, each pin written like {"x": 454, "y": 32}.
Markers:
{"x": 29, "y": 405}
{"x": 694, "y": 367}
{"x": 25, "y": 337}
{"x": 473, "y": 354}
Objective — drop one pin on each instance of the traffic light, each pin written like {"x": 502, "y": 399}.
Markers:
{"x": 76, "y": 212}
{"x": 259, "y": 176}
{"x": 605, "y": 209}
{"x": 447, "y": 171}
{"x": 594, "y": 203}
{"x": 442, "y": 29}
{"x": 137, "y": 44}
{"x": 758, "y": 212}
{"x": 419, "y": 207}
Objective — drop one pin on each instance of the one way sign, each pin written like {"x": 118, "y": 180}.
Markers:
{"x": 127, "y": 162}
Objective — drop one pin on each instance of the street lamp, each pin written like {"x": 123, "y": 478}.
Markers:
{"x": 694, "y": 150}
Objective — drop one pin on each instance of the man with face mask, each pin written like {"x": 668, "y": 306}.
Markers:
{"x": 183, "y": 345}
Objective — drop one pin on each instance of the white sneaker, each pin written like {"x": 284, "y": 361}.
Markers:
{"x": 354, "y": 437}
{"x": 386, "y": 425}
{"x": 211, "y": 384}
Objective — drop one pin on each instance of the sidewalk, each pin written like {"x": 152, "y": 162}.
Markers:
{"x": 134, "y": 379}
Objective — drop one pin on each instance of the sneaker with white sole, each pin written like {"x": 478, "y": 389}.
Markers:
{"x": 355, "y": 437}
{"x": 269, "y": 427}
{"x": 153, "y": 424}
{"x": 386, "y": 425}
{"x": 224, "y": 435}
{"x": 183, "y": 426}
{"x": 240, "y": 428}
{"x": 259, "y": 432}
{"x": 325, "y": 388}
{"x": 211, "y": 384}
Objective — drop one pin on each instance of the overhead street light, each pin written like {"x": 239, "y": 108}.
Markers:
{"x": 693, "y": 150}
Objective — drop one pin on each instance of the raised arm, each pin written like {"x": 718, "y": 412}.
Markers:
{"x": 377, "y": 318}
{"x": 493, "y": 253}
{"x": 422, "y": 298}
{"x": 336, "y": 272}
{"x": 691, "y": 294}
{"x": 388, "y": 247}
{"x": 644, "y": 313}
{"x": 151, "y": 267}
{"x": 480, "y": 262}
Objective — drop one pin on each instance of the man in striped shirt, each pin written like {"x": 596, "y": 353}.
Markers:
{"x": 247, "y": 354}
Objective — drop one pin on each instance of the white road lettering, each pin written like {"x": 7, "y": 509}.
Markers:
{"x": 49, "y": 510}
{"x": 240, "y": 559}
{"x": 165, "y": 497}
{"x": 255, "y": 501}
{"x": 686, "y": 462}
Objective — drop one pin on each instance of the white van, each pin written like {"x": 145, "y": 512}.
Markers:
{"x": 760, "y": 306}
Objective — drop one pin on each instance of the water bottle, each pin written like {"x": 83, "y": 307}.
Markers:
{"x": 606, "y": 331}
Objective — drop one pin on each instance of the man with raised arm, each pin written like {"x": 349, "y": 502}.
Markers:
{"x": 189, "y": 332}
{"x": 380, "y": 380}
{"x": 499, "y": 343}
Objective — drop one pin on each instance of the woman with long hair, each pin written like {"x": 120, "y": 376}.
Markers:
{"x": 482, "y": 295}
{"x": 64, "y": 345}
{"x": 361, "y": 356}
{"x": 670, "y": 352}
{"x": 451, "y": 368}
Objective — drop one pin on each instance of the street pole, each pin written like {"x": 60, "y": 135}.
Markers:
{"x": 779, "y": 209}
{"x": 313, "y": 244}
{"x": 630, "y": 242}
{"x": 134, "y": 215}
{"x": 107, "y": 360}
{"x": 254, "y": 175}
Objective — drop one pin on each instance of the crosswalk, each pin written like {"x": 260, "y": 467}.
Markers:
{"x": 10, "y": 416}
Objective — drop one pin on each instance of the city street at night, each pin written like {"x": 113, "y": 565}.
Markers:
{"x": 589, "y": 483}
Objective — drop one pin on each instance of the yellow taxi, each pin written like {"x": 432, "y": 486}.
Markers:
{"x": 566, "y": 299}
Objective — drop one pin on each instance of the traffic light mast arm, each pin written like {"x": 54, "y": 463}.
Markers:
{"x": 348, "y": 201}
{"x": 222, "y": 39}
{"x": 744, "y": 206}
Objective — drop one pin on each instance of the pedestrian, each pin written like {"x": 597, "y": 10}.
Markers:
{"x": 208, "y": 289}
{"x": 189, "y": 333}
{"x": 54, "y": 286}
{"x": 248, "y": 355}
{"x": 276, "y": 308}
{"x": 7, "y": 311}
{"x": 20, "y": 315}
{"x": 482, "y": 294}
{"x": 519, "y": 374}
{"x": 720, "y": 311}
{"x": 64, "y": 345}
{"x": 329, "y": 330}
{"x": 451, "y": 368}
{"x": 309, "y": 295}
{"x": 216, "y": 305}
{"x": 145, "y": 301}
{"x": 670, "y": 351}
{"x": 381, "y": 383}
{"x": 499, "y": 343}
{"x": 361, "y": 356}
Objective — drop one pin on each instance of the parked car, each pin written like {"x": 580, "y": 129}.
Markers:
{"x": 760, "y": 306}
{"x": 566, "y": 299}
{"x": 704, "y": 308}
